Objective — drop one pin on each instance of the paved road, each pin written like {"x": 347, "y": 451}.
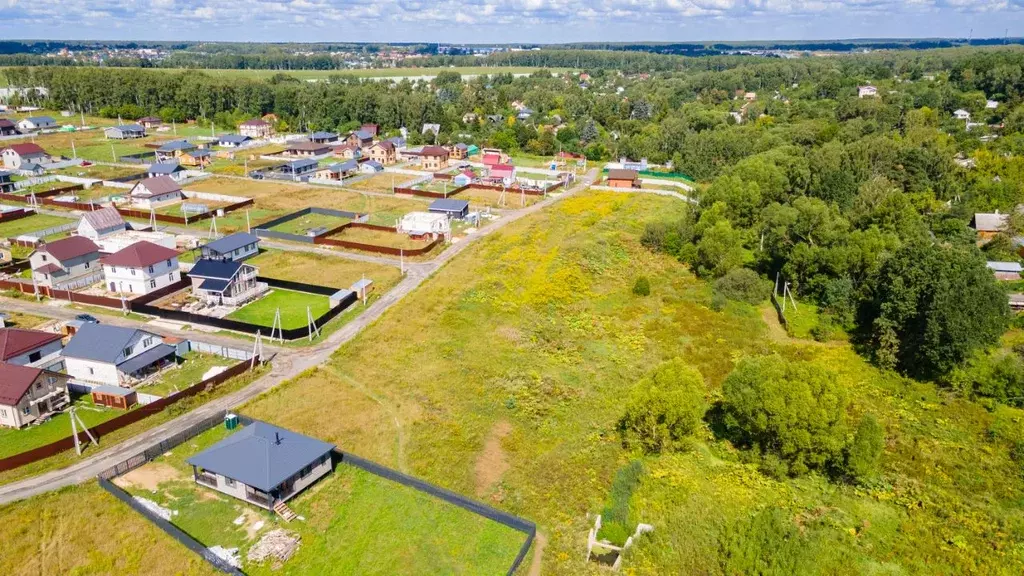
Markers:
{"x": 286, "y": 366}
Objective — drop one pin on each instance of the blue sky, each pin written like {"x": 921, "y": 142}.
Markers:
{"x": 454, "y": 21}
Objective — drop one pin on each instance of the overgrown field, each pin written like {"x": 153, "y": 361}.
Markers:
{"x": 505, "y": 374}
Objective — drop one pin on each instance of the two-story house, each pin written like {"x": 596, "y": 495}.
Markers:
{"x": 66, "y": 264}
{"x": 16, "y": 155}
{"x": 225, "y": 283}
{"x": 106, "y": 354}
{"x": 255, "y": 128}
{"x": 32, "y": 348}
{"x": 30, "y": 394}
{"x": 433, "y": 158}
{"x": 383, "y": 152}
{"x": 141, "y": 268}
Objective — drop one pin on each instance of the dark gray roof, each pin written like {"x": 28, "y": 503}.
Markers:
{"x": 363, "y": 135}
{"x": 151, "y": 356}
{"x": 211, "y": 285}
{"x": 176, "y": 145}
{"x": 128, "y": 128}
{"x": 323, "y": 135}
{"x": 165, "y": 168}
{"x": 299, "y": 164}
{"x": 113, "y": 390}
{"x": 232, "y": 242}
{"x": 234, "y": 138}
{"x": 100, "y": 342}
{"x": 261, "y": 455}
{"x": 448, "y": 205}
{"x": 216, "y": 269}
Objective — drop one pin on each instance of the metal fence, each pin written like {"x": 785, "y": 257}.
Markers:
{"x": 53, "y": 230}
{"x": 222, "y": 351}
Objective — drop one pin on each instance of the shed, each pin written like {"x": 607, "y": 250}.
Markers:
{"x": 362, "y": 287}
{"x": 114, "y": 397}
{"x": 618, "y": 178}
{"x": 450, "y": 207}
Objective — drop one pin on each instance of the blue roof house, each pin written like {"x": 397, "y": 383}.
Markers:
{"x": 115, "y": 356}
{"x": 233, "y": 248}
{"x": 262, "y": 464}
{"x": 225, "y": 282}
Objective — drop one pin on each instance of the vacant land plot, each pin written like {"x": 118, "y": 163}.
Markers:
{"x": 33, "y": 223}
{"x": 17, "y": 441}
{"x": 260, "y": 190}
{"x": 382, "y": 182}
{"x": 19, "y": 320}
{"x": 324, "y": 270}
{"x": 355, "y": 522}
{"x": 99, "y": 171}
{"x": 293, "y": 306}
{"x": 379, "y": 238}
{"x": 307, "y": 222}
{"x": 480, "y": 197}
{"x": 189, "y": 372}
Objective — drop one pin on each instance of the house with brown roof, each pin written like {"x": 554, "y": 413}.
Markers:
{"x": 460, "y": 151}
{"x": 433, "y": 158}
{"x": 618, "y": 178}
{"x": 15, "y": 155}
{"x": 7, "y": 127}
{"x": 141, "y": 268}
{"x": 383, "y": 152}
{"x": 372, "y": 129}
{"x": 32, "y": 348}
{"x": 101, "y": 223}
{"x": 255, "y": 128}
{"x": 347, "y": 151}
{"x": 66, "y": 264}
{"x": 360, "y": 138}
{"x": 29, "y": 394}
{"x": 156, "y": 192}
{"x": 150, "y": 122}
{"x": 306, "y": 148}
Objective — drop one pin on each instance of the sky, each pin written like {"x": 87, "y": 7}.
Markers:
{"x": 506, "y": 21}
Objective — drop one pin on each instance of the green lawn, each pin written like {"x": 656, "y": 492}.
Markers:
{"x": 16, "y": 441}
{"x": 312, "y": 220}
{"x": 355, "y": 523}
{"x": 30, "y": 224}
{"x": 186, "y": 374}
{"x": 292, "y": 304}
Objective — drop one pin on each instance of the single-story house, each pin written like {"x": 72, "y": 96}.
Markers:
{"x": 198, "y": 157}
{"x": 991, "y": 104}
{"x": 156, "y": 192}
{"x": 323, "y": 137}
{"x": 988, "y": 224}
{"x": 371, "y": 167}
{"x": 463, "y": 178}
{"x": 30, "y": 394}
{"x": 16, "y": 156}
{"x": 347, "y": 151}
{"x": 1005, "y": 270}
{"x": 107, "y": 354}
{"x": 961, "y": 114}
{"x": 172, "y": 168}
{"x": 235, "y": 247}
{"x": 433, "y": 158}
{"x": 125, "y": 132}
{"x": 421, "y": 224}
{"x": 504, "y": 173}
{"x": 450, "y": 207}
{"x": 34, "y": 123}
{"x": 619, "y": 178}
{"x": 307, "y": 148}
{"x": 338, "y": 171}
{"x": 255, "y": 128}
{"x": 262, "y": 464}
{"x": 33, "y": 348}
{"x": 30, "y": 169}
{"x": 114, "y": 397}
{"x": 866, "y": 91}
{"x": 101, "y": 223}
{"x": 383, "y": 152}
{"x": 7, "y": 127}
{"x": 66, "y": 264}
{"x": 150, "y": 122}
{"x": 225, "y": 282}
{"x": 297, "y": 168}
{"x": 173, "y": 149}
{"x": 232, "y": 140}
{"x": 141, "y": 268}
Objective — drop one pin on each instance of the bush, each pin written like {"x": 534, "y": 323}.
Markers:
{"x": 664, "y": 408}
{"x": 824, "y": 329}
{"x": 613, "y": 532}
{"x": 718, "y": 301}
{"x": 615, "y": 518}
{"x": 793, "y": 410}
{"x": 744, "y": 285}
{"x": 864, "y": 454}
{"x": 642, "y": 286}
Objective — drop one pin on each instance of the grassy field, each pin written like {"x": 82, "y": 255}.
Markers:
{"x": 306, "y": 222}
{"x": 506, "y": 374}
{"x": 14, "y": 441}
{"x": 29, "y": 224}
{"x": 292, "y": 304}
{"x": 186, "y": 374}
{"x": 19, "y": 320}
{"x": 479, "y": 198}
{"x": 324, "y": 270}
{"x": 99, "y": 171}
{"x": 355, "y": 522}
{"x": 378, "y": 182}
{"x": 380, "y": 238}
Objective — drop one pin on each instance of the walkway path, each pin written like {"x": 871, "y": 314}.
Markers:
{"x": 287, "y": 365}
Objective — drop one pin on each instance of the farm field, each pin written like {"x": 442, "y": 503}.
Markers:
{"x": 355, "y": 522}
{"x": 293, "y": 307}
{"x": 324, "y": 270}
{"x": 29, "y": 224}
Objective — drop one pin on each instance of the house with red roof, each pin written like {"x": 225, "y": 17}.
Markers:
{"x": 26, "y": 153}
{"x": 33, "y": 348}
{"x": 141, "y": 268}
{"x": 503, "y": 173}
{"x": 66, "y": 264}
{"x": 30, "y": 394}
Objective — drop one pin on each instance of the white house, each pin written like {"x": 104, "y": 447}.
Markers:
{"x": 101, "y": 223}
{"x": 66, "y": 264}
{"x": 34, "y": 123}
{"x": 234, "y": 248}
{"x": 125, "y": 132}
{"x": 424, "y": 224}
{"x": 32, "y": 348}
{"x": 17, "y": 155}
{"x": 867, "y": 91}
{"x": 255, "y": 128}
{"x": 232, "y": 140}
{"x": 107, "y": 354}
{"x": 156, "y": 192}
{"x": 141, "y": 268}
{"x": 991, "y": 104}
{"x": 962, "y": 114}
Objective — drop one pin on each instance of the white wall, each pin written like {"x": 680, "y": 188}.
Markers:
{"x": 141, "y": 280}
{"x": 51, "y": 348}
{"x": 91, "y": 371}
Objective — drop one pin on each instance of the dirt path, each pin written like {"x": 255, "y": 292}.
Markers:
{"x": 775, "y": 330}
{"x": 492, "y": 463}
{"x": 538, "y": 554}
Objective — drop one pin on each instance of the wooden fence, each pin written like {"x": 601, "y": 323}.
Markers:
{"x": 325, "y": 239}
{"x": 12, "y": 215}
{"x": 141, "y": 214}
{"x": 128, "y": 418}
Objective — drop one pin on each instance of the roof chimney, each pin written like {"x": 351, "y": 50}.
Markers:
{"x": 277, "y": 438}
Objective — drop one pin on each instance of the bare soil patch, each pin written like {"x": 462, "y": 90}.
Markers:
{"x": 493, "y": 461}
{"x": 148, "y": 477}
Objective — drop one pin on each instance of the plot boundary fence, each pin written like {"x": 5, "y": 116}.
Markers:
{"x": 339, "y": 457}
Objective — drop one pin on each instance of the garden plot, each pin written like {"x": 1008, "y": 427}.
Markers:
{"x": 293, "y": 306}
{"x": 191, "y": 371}
{"x": 15, "y": 441}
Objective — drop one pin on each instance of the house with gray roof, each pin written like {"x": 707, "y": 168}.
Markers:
{"x": 116, "y": 356}
{"x": 173, "y": 149}
{"x": 233, "y": 248}
{"x": 233, "y": 140}
{"x": 125, "y": 132}
{"x": 263, "y": 464}
{"x": 99, "y": 224}
{"x": 33, "y": 123}
{"x": 171, "y": 168}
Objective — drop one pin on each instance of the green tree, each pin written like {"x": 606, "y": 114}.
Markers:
{"x": 865, "y": 452}
{"x": 794, "y": 412}
{"x": 664, "y": 407}
{"x": 719, "y": 250}
{"x": 744, "y": 285}
{"x": 642, "y": 286}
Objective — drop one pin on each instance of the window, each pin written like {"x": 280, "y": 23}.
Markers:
{"x": 113, "y": 269}
{"x": 3, "y": 412}
{"x": 133, "y": 271}
{"x": 229, "y": 482}
{"x": 35, "y": 356}
{"x": 44, "y": 257}
{"x": 150, "y": 269}
{"x": 39, "y": 385}
{"x": 91, "y": 371}
{"x": 152, "y": 283}
{"x": 127, "y": 351}
{"x": 169, "y": 264}
{"x": 147, "y": 342}
{"x": 86, "y": 264}
{"x": 51, "y": 380}
{"x": 26, "y": 410}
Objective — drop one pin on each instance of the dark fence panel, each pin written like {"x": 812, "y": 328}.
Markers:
{"x": 129, "y": 178}
{"x": 778, "y": 310}
{"x": 299, "y": 286}
{"x": 18, "y": 214}
{"x": 390, "y": 250}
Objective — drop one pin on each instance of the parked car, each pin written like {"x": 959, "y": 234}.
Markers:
{"x": 87, "y": 318}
